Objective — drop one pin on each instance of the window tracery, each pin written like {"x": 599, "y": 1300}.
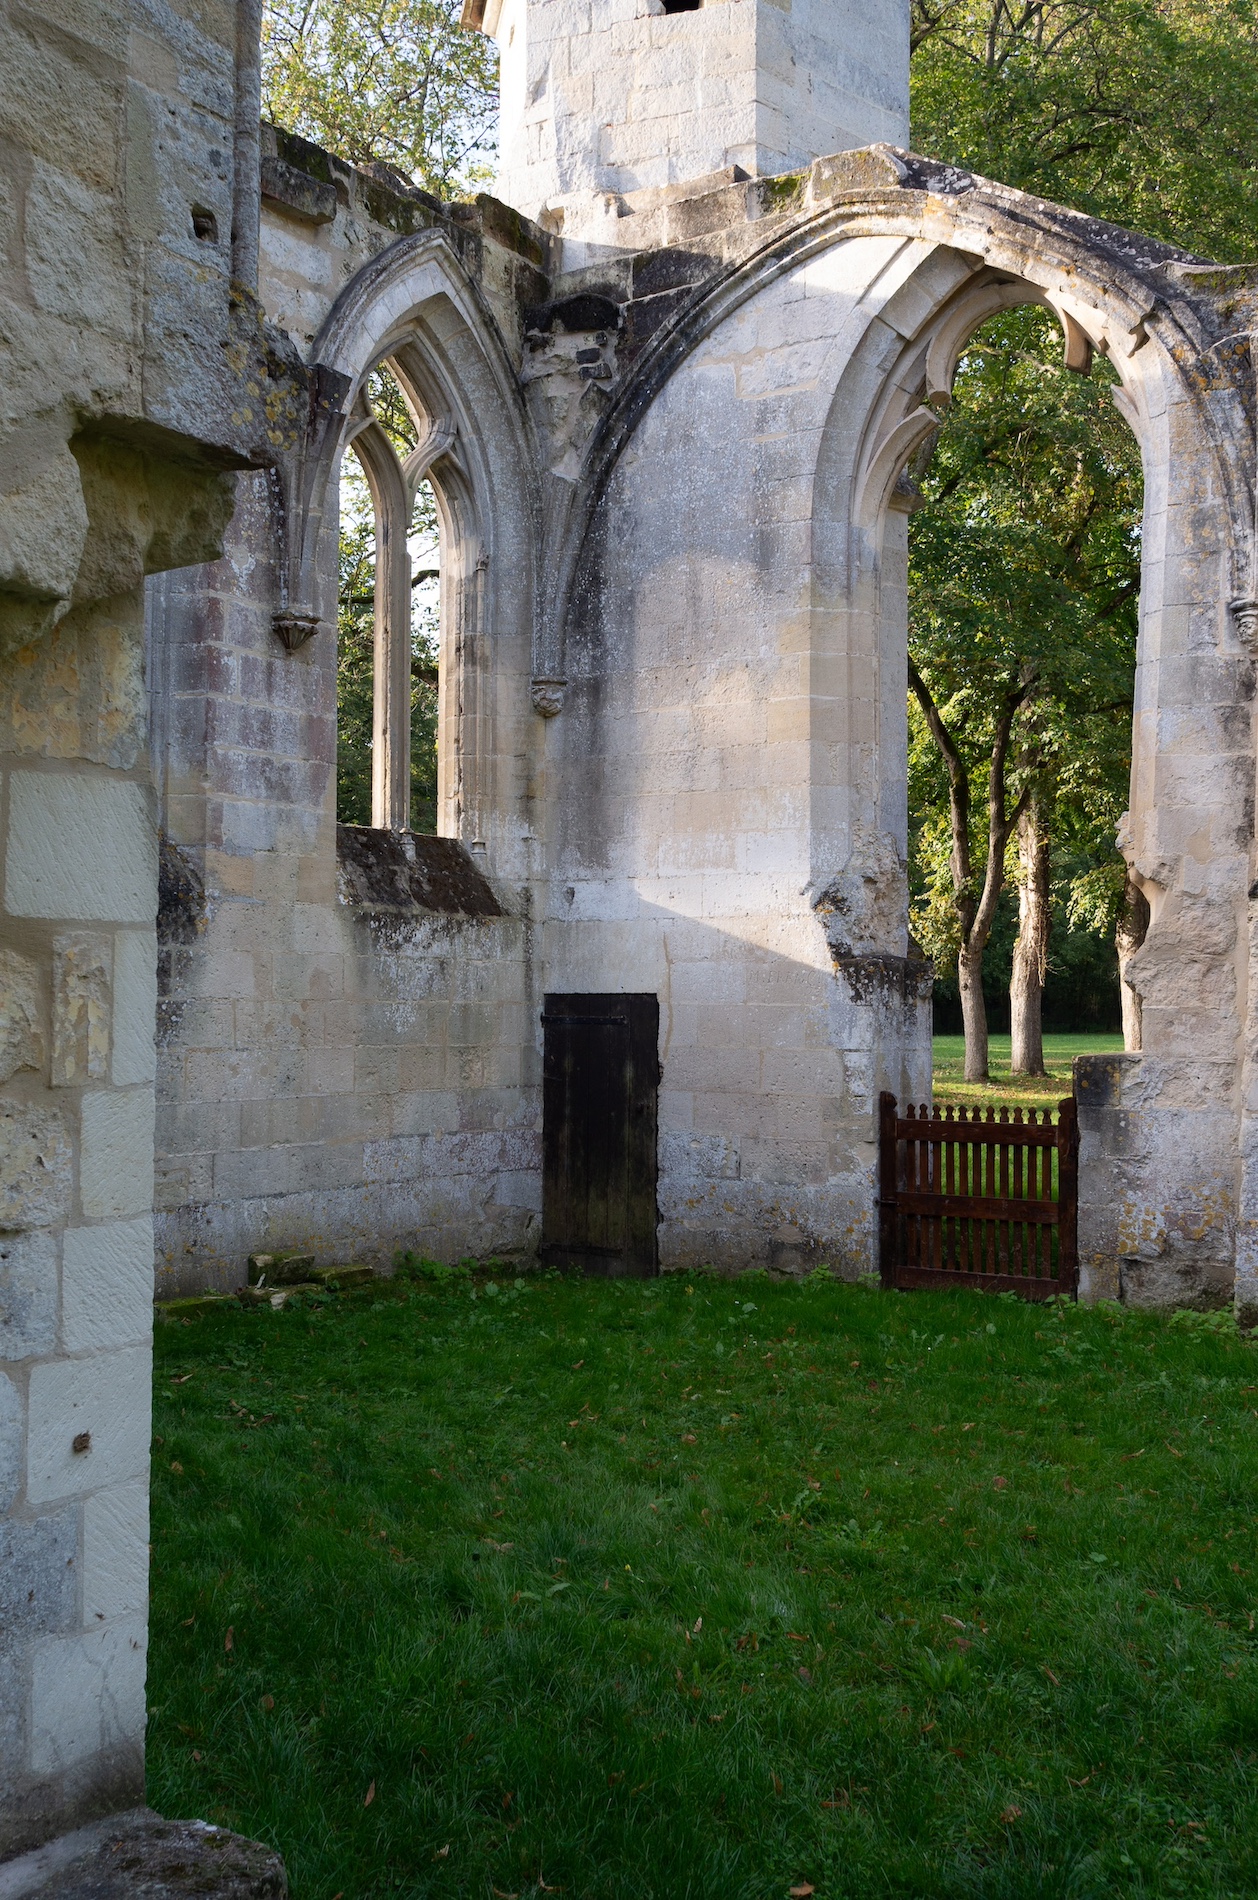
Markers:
{"x": 390, "y": 669}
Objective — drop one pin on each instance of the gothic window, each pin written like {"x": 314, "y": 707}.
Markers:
{"x": 388, "y": 656}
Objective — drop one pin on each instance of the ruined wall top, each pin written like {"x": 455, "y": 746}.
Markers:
{"x": 128, "y": 177}
{"x": 638, "y": 94}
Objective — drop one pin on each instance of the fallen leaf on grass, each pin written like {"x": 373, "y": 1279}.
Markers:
{"x": 802, "y": 1891}
{"x": 1011, "y": 1813}
{"x": 1052, "y": 1678}
{"x": 176, "y": 1467}
{"x": 1000, "y": 1484}
{"x": 578, "y": 1365}
{"x": 229, "y": 1641}
{"x": 688, "y": 1438}
{"x": 181, "y": 1378}
{"x": 442, "y": 1852}
{"x": 370, "y": 1795}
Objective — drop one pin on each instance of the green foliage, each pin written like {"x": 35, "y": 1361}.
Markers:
{"x": 391, "y": 81}
{"x": 684, "y": 1588}
{"x": 1138, "y": 111}
{"x": 355, "y": 633}
{"x": 1024, "y": 567}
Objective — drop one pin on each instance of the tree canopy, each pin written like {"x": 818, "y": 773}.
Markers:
{"x": 385, "y": 81}
{"x": 1138, "y": 111}
{"x": 1025, "y": 558}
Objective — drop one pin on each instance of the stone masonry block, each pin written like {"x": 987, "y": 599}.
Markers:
{"x": 10, "y": 1441}
{"x": 80, "y": 847}
{"x": 103, "y": 1405}
{"x": 116, "y": 1155}
{"x": 21, "y": 1043}
{"x": 115, "y": 1553}
{"x": 35, "y": 1165}
{"x": 38, "y": 1576}
{"x": 135, "y": 1007}
{"x": 107, "y": 1285}
{"x": 87, "y": 1695}
{"x": 81, "y": 965}
{"x": 28, "y": 1294}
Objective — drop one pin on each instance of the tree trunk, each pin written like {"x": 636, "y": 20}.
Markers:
{"x": 1133, "y": 925}
{"x": 973, "y": 1009}
{"x": 975, "y": 916}
{"x": 1030, "y": 952}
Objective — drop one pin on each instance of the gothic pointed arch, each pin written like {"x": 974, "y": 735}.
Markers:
{"x": 415, "y": 311}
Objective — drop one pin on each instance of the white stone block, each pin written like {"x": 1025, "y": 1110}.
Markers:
{"x": 116, "y": 1153}
{"x": 104, "y": 1405}
{"x": 87, "y": 1695}
{"x": 116, "y": 1553}
{"x": 80, "y": 847}
{"x": 135, "y": 1007}
{"x": 107, "y": 1285}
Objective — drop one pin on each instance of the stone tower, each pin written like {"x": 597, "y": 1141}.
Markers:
{"x": 630, "y": 95}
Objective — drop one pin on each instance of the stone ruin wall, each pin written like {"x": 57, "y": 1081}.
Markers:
{"x": 349, "y": 1044}
{"x": 354, "y": 1077}
{"x": 349, "y": 1076}
{"x": 132, "y": 379}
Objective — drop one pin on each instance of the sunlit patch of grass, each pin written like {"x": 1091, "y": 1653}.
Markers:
{"x": 1004, "y": 1089}
{"x": 705, "y": 1588}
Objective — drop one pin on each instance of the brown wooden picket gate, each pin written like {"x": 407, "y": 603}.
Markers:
{"x": 970, "y": 1200}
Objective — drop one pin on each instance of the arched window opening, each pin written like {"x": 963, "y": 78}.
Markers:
{"x": 1024, "y": 548}
{"x": 388, "y": 658}
{"x": 425, "y": 548}
{"x": 356, "y": 607}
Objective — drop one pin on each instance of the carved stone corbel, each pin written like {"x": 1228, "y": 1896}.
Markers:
{"x": 1245, "y": 614}
{"x": 301, "y": 487}
{"x": 548, "y": 696}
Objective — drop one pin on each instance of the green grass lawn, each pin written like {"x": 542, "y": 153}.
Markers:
{"x": 710, "y": 1590}
{"x": 1014, "y": 1091}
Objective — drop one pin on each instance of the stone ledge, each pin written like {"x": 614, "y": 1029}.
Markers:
{"x": 297, "y": 192}
{"x": 139, "y": 1856}
{"x": 402, "y": 872}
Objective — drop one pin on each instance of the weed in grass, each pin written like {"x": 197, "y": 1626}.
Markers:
{"x": 642, "y": 1591}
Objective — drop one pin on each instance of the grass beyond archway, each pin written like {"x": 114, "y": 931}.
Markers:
{"x": 1005, "y": 1090}
{"x": 688, "y": 1589}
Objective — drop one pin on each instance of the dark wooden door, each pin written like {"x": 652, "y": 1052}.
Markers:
{"x": 600, "y": 1089}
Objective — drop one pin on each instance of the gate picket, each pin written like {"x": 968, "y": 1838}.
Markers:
{"x": 967, "y": 1199}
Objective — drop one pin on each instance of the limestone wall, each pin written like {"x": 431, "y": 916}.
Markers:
{"x": 628, "y": 97}
{"x": 132, "y": 377}
{"x": 339, "y": 1069}
{"x": 342, "y": 1075}
{"x": 720, "y": 833}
